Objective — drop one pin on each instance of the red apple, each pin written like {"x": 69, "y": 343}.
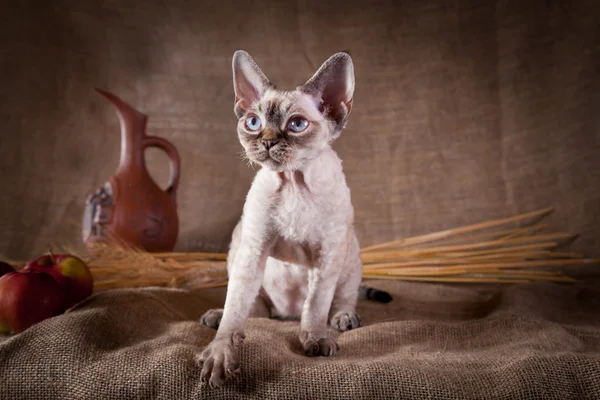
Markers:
{"x": 5, "y": 268}
{"x": 27, "y": 298}
{"x": 70, "y": 272}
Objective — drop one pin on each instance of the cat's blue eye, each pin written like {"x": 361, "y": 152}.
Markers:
{"x": 297, "y": 124}
{"x": 253, "y": 123}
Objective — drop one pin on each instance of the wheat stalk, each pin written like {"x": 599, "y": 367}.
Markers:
{"x": 459, "y": 231}
{"x": 464, "y": 254}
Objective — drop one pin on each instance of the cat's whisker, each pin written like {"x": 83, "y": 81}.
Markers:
{"x": 247, "y": 157}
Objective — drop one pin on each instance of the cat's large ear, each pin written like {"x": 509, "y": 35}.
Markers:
{"x": 333, "y": 86}
{"x": 249, "y": 82}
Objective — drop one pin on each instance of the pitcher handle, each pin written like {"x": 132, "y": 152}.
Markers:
{"x": 174, "y": 161}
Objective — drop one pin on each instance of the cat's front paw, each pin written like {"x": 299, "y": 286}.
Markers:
{"x": 344, "y": 321}
{"x": 212, "y": 318}
{"x": 318, "y": 345}
{"x": 220, "y": 360}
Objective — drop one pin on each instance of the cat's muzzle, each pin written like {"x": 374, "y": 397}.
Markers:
{"x": 269, "y": 143}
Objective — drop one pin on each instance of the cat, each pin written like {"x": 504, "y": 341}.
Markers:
{"x": 294, "y": 253}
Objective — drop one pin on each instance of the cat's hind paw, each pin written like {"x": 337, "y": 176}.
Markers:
{"x": 314, "y": 346}
{"x": 212, "y": 318}
{"x": 344, "y": 321}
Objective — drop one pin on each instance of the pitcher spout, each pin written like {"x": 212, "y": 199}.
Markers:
{"x": 133, "y": 129}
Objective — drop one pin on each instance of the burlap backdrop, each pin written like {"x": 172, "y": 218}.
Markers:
{"x": 464, "y": 110}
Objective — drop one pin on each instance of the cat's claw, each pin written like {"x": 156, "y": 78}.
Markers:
{"x": 220, "y": 361}
{"x": 344, "y": 321}
{"x": 314, "y": 346}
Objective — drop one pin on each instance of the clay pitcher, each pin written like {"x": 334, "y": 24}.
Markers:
{"x": 131, "y": 208}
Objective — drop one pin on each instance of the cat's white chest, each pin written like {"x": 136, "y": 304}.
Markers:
{"x": 296, "y": 215}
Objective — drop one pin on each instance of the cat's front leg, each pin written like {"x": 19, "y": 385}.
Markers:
{"x": 343, "y": 316}
{"x": 322, "y": 280}
{"x": 220, "y": 360}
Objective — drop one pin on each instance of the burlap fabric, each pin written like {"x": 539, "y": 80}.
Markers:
{"x": 464, "y": 110}
{"x": 539, "y": 341}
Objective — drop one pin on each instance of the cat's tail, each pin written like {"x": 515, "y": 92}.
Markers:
{"x": 369, "y": 293}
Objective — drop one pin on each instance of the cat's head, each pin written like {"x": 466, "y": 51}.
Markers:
{"x": 282, "y": 130}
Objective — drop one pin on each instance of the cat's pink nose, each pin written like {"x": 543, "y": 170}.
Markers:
{"x": 268, "y": 143}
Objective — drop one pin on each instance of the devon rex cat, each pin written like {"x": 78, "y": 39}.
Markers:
{"x": 294, "y": 253}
